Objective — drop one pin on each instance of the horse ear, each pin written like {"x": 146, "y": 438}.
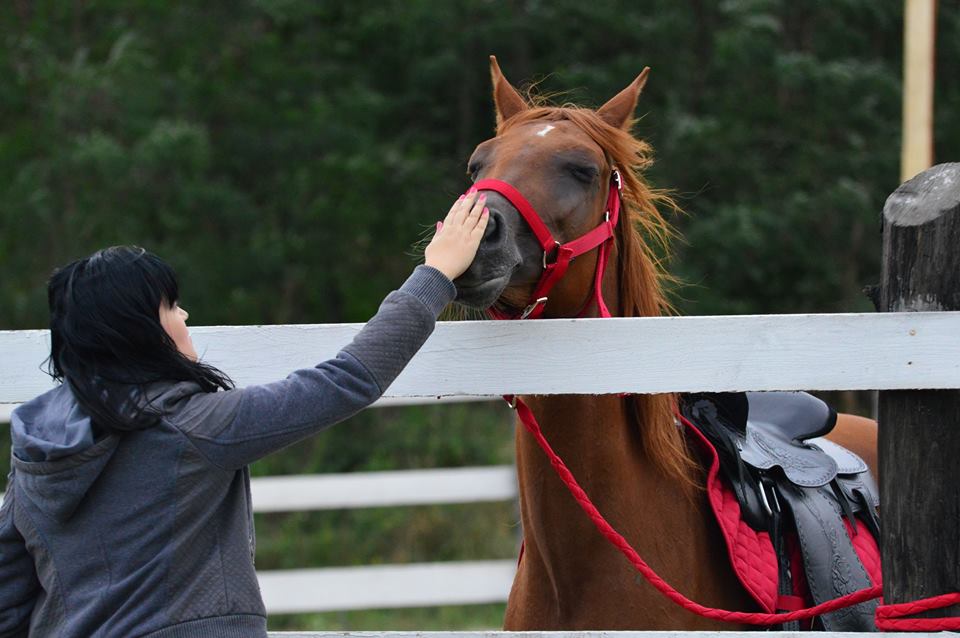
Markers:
{"x": 505, "y": 98}
{"x": 618, "y": 111}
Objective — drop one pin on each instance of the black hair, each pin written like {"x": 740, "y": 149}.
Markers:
{"x": 107, "y": 341}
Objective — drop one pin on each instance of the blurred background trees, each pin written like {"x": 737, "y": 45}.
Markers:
{"x": 285, "y": 155}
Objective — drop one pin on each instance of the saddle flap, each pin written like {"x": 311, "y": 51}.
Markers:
{"x": 847, "y": 462}
{"x": 765, "y": 447}
{"x": 777, "y": 425}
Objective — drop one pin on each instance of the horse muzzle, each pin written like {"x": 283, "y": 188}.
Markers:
{"x": 494, "y": 266}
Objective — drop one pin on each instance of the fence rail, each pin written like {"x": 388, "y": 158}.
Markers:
{"x": 383, "y": 489}
{"x": 587, "y": 634}
{"x": 392, "y": 586}
{"x": 891, "y": 351}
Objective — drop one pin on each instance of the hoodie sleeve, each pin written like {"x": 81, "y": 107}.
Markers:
{"x": 235, "y": 428}
{"x": 19, "y": 586}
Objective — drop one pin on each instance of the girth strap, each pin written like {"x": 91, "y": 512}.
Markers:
{"x": 830, "y": 561}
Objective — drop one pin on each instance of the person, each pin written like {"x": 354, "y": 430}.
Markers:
{"x": 127, "y": 511}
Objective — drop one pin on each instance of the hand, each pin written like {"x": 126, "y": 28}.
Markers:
{"x": 453, "y": 247}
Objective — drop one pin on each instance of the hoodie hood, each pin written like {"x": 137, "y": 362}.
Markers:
{"x": 55, "y": 456}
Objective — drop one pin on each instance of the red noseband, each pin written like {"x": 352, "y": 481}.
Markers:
{"x": 565, "y": 253}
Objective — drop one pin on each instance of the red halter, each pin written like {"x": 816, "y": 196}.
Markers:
{"x": 565, "y": 253}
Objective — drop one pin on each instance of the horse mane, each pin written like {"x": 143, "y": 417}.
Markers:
{"x": 643, "y": 243}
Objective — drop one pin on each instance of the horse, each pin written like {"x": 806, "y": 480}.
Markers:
{"x": 626, "y": 451}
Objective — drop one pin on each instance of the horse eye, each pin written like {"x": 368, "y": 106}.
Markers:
{"x": 585, "y": 174}
{"x": 473, "y": 170}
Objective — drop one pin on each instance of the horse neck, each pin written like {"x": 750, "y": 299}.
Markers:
{"x": 601, "y": 444}
{"x": 568, "y": 567}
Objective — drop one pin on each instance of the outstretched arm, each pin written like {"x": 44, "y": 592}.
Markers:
{"x": 237, "y": 427}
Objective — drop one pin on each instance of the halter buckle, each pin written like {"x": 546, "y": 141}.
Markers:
{"x": 556, "y": 246}
{"x": 511, "y": 400}
{"x": 529, "y": 309}
{"x": 615, "y": 176}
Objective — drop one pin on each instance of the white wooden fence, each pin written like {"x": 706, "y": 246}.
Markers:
{"x": 476, "y": 360}
{"x": 588, "y": 634}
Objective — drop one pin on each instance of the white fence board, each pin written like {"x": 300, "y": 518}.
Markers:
{"x": 383, "y": 489}
{"x": 388, "y": 586}
{"x": 592, "y": 356}
{"x": 592, "y": 634}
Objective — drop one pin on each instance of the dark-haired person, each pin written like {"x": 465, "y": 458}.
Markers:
{"x": 128, "y": 508}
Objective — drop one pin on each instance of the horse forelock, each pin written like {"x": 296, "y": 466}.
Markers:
{"x": 643, "y": 243}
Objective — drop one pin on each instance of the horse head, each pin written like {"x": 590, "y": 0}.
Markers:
{"x": 566, "y": 165}
{"x": 562, "y": 163}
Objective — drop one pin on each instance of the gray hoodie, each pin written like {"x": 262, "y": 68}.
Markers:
{"x": 150, "y": 533}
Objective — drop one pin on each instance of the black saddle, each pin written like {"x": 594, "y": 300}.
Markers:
{"x": 764, "y": 438}
{"x": 786, "y": 477}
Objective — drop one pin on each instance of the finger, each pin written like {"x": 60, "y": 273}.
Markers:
{"x": 471, "y": 215}
{"x": 453, "y": 209}
{"x": 477, "y": 231}
{"x": 461, "y": 213}
{"x": 478, "y": 208}
{"x": 474, "y": 215}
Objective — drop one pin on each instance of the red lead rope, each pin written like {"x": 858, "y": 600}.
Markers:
{"x": 888, "y": 617}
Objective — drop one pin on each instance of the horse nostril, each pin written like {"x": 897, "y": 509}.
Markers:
{"x": 492, "y": 233}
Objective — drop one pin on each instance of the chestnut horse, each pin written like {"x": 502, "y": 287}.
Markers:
{"x": 626, "y": 452}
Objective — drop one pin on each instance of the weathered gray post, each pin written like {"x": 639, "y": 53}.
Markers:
{"x": 920, "y": 430}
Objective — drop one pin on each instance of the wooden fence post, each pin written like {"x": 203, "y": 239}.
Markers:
{"x": 920, "y": 430}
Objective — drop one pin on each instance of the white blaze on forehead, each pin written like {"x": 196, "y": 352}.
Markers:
{"x": 546, "y": 129}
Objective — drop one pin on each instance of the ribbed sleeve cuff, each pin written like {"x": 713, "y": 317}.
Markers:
{"x": 431, "y": 287}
